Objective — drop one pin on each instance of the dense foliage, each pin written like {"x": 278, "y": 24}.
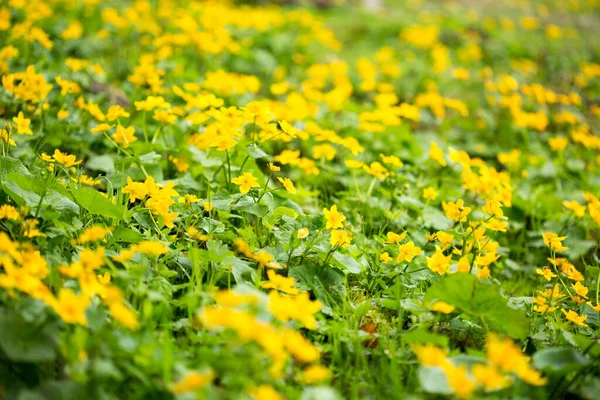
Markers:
{"x": 206, "y": 199}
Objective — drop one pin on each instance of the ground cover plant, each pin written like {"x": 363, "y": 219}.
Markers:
{"x": 246, "y": 200}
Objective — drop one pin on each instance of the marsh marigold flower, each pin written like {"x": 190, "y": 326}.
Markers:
{"x": 554, "y": 242}
{"x": 246, "y": 182}
{"x": 335, "y": 220}
{"x": 193, "y": 381}
{"x": 407, "y": 252}
{"x": 22, "y": 124}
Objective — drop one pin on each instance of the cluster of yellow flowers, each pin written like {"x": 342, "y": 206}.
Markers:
{"x": 27, "y": 85}
{"x": 503, "y": 360}
{"x": 216, "y": 87}
{"x": 335, "y": 223}
{"x": 551, "y": 299}
{"x": 157, "y": 198}
{"x": 25, "y": 269}
{"x": 238, "y": 312}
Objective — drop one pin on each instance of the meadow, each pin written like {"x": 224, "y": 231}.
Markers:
{"x": 310, "y": 200}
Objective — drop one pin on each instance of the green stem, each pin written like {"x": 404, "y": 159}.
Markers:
{"x": 39, "y": 206}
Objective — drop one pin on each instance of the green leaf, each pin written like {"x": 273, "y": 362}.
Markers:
{"x": 260, "y": 210}
{"x": 346, "y": 262}
{"x": 559, "y": 359}
{"x": 217, "y": 251}
{"x": 242, "y": 272}
{"x": 481, "y": 300}
{"x": 578, "y": 247}
{"x": 320, "y": 393}
{"x": 255, "y": 152}
{"x": 270, "y": 220}
{"x": 104, "y": 163}
{"x": 55, "y": 390}
{"x": 150, "y": 158}
{"x": 423, "y": 336}
{"x": 26, "y": 342}
{"x": 126, "y": 235}
{"x": 592, "y": 346}
{"x": 326, "y": 283}
{"x": 26, "y": 189}
{"x": 95, "y": 203}
{"x": 434, "y": 380}
{"x": 435, "y": 219}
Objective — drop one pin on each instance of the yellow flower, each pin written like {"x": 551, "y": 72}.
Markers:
{"x": 546, "y": 273}
{"x": 339, "y": 238}
{"x": 531, "y": 376}
{"x": 94, "y": 233}
{"x": 65, "y": 159}
{"x": 273, "y": 168}
{"x": 151, "y": 103}
{"x": 456, "y": 211}
{"x": 430, "y": 193}
{"x": 377, "y": 170}
{"x": 264, "y": 259}
{"x": 196, "y": 235}
{"x": 299, "y": 308}
{"x": 575, "y": 318}
{"x": 459, "y": 380}
{"x": 334, "y": 219}
{"x": 124, "y": 315}
{"x": 580, "y": 289}
{"x": 151, "y": 248}
{"x": 302, "y": 233}
{"x": 70, "y": 307}
{"x": 438, "y": 262}
{"x": 103, "y": 127}
{"x": 315, "y": 374}
{"x": 554, "y": 242}
{"x": 496, "y": 225}
{"x": 288, "y": 128}
{"x": 442, "y": 307}
{"x": 193, "y": 381}
{"x": 407, "y": 252}
{"x": 385, "y": 257}
{"x": 9, "y": 212}
{"x": 265, "y": 392}
{"x": 354, "y": 164}
{"x": 431, "y": 237}
{"x": 5, "y": 137}
{"x": 73, "y": 31}
{"x": 324, "y": 150}
{"x": 62, "y": 114}
{"x": 558, "y": 143}
{"x": 286, "y": 285}
{"x": 288, "y": 184}
{"x": 391, "y": 160}
{"x": 22, "y": 124}
{"x": 246, "y": 182}
{"x": 138, "y": 190}
{"x": 431, "y": 356}
{"x": 115, "y": 112}
{"x": 124, "y": 256}
{"x": 489, "y": 377}
{"x": 124, "y": 136}
{"x": 436, "y": 154}
{"x": 493, "y": 207}
{"x": 463, "y": 265}
{"x": 460, "y": 74}
{"x": 578, "y": 209}
{"x": 393, "y": 237}
{"x": 91, "y": 259}
{"x": 208, "y": 206}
